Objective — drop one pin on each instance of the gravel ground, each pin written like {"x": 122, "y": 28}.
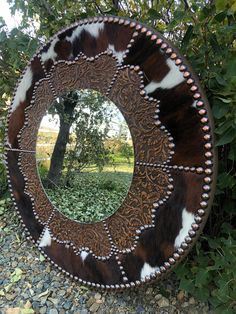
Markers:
{"x": 29, "y": 284}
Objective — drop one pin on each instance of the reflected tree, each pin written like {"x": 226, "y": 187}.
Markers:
{"x": 84, "y": 125}
{"x": 64, "y": 107}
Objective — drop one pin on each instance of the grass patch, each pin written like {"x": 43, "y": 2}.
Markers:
{"x": 93, "y": 196}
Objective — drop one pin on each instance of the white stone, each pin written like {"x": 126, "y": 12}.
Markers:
{"x": 163, "y": 302}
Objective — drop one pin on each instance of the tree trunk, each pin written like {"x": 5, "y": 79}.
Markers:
{"x": 56, "y": 165}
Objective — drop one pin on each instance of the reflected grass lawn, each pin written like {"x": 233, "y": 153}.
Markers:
{"x": 94, "y": 195}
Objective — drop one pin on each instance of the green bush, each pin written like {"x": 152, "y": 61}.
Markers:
{"x": 210, "y": 275}
{"x": 209, "y": 272}
{"x": 93, "y": 196}
{"x": 126, "y": 150}
{"x": 108, "y": 185}
{"x": 3, "y": 180}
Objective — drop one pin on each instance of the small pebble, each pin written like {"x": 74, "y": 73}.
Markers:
{"x": 53, "y": 311}
{"x": 43, "y": 310}
{"x": 163, "y": 302}
{"x": 149, "y": 291}
{"x": 15, "y": 310}
{"x": 191, "y": 301}
{"x": 90, "y": 301}
{"x": 14, "y": 264}
{"x": 97, "y": 296}
{"x": 67, "y": 305}
{"x": 10, "y": 297}
{"x": 94, "y": 307}
{"x": 158, "y": 297}
{"x": 180, "y": 295}
{"x": 185, "y": 304}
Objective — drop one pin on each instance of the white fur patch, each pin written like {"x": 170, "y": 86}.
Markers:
{"x": 92, "y": 29}
{"x": 194, "y": 104}
{"x": 83, "y": 255}
{"x": 173, "y": 78}
{"x": 118, "y": 54}
{"x": 46, "y": 239}
{"x": 147, "y": 270}
{"x": 22, "y": 89}
{"x": 187, "y": 220}
{"x": 8, "y": 143}
{"x": 50, "y": 54}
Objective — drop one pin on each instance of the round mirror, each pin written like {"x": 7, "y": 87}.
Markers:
{"x": 85, "y": 155}
{"x": 85, "y": 158}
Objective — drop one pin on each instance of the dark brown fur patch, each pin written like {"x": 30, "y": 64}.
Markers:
{"x": 91, "y": 269}
{"x": 23, "y": 201}
{"x": 183, "y": 122}
{"x": 152, "y": 62}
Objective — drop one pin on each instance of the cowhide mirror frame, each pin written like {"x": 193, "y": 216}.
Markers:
{"x": 171, "y": 127}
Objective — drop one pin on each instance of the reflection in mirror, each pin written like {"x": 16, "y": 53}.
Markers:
{"x": 85, "y": 155}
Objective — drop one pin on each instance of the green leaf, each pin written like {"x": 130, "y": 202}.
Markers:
{"x": 231, "y": 67}
{"x": 213, "y": 243}
{"x": 179, "y": 14}
{"x": 226, "y": 180}
{"x": 223, "y": 127}
{"x": 41, "y": 258}
{"x": 214, "y": 43}
{"x": 26, "y": 311}
{"x": 214, "y": 300}
{"x": 187, "y": 36}
{"x": 232, "y": 152}
{"x": 227, "y": 137}
{"x": 153, "y": 14}
{"x": 187, "y": 285}
{"x": 202, "y": 277}
{"x": 16, "y": 275}
{"x": 221, "y": 4}
{"x": 219, "y": 109}
{"x": 226, "y": 227}
{"x": 220, "y": 80}
{"x": 224, "y": 100}
{"x": 3, "y": 36}
{"x": 220, "y": 17}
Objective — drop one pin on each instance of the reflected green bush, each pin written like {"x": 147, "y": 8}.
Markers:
{"x": 92, "y": 197}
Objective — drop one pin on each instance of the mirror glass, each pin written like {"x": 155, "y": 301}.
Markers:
{"x": 85, "y": 155}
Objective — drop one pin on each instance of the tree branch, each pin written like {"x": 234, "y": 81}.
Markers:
{"x": 116, "y": 4}
{"x": 98, "y": 7}
{"x": 47, "y": 7}
{"x": 186, "y": 5}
